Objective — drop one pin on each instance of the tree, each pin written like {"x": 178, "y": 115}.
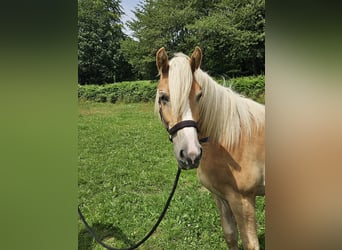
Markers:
{"x": 233, "y": 37}
{"x": 99, "y": 37}
{"x": 158, "y": 23}
{"x": 230, "y": 32}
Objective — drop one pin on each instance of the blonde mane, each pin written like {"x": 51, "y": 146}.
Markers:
{"x": 224, "y": 115}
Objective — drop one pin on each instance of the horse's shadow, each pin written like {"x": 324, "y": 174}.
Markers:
{"x": 262, "y": 241}
{"x": 86, "y": 241}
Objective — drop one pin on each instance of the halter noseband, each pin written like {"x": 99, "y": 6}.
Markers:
{"x": 180, "y": 125}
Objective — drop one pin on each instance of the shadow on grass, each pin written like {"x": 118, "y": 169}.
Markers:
{"x": 262, "y": 241}
{"x": 86, "y": 241}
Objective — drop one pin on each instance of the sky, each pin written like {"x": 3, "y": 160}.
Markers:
{"x": 128, "y": 6}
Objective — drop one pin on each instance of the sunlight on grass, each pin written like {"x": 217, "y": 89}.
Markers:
{"x": 126, "y": 171}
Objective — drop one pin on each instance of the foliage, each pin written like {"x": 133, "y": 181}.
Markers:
{"x": 230, "y": 32}
{"x": 125, "y": 172}
{"x": 158, "y": 23}
{"x": 250, "y": 86}
{"x": 127, "y": 92}
{"x": 99, "y": 36}
{"x": 232, "y": 37}
{"x": 145, "y": 91}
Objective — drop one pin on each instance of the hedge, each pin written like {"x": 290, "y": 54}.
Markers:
{"x": 127, "y": 92}
{"x": 145, "y": 91}
{"x": 250, "y": 86}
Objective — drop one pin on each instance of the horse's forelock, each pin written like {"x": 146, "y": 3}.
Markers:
{"x": 180, "y": 81}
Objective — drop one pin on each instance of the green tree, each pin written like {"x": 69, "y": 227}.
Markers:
{"x": 99, "y": 37}
{"x": 233, "y": 37}
{"x": 231, "y": 33}
{"x": 158, "y": 23}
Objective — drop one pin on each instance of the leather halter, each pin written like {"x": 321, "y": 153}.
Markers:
{"x": 180, "y": 125}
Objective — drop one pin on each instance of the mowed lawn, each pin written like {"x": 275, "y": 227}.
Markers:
{"x": 126, "y": 170}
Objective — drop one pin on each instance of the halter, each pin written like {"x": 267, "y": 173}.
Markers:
{"x": 180, "y": 125}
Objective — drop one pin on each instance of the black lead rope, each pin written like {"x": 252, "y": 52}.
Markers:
{"x": 172, "y": 131}
{"x": 136, "y": 245}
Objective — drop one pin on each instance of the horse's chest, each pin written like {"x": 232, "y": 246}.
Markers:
{"x": 220, "y": 172}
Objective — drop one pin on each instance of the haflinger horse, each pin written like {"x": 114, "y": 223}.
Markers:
{"x": 231, "y": 164}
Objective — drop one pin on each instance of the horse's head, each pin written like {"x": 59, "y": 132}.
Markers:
{"x": 177, "y": 98}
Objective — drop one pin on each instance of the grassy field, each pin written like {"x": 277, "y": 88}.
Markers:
{"x": 126, "y": 171}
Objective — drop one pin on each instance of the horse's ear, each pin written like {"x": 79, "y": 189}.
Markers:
{"x": 162, "y": 61}
{"x": 196, "y": 59}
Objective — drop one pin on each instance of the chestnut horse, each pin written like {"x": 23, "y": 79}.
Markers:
{"x": 231, "y": 164}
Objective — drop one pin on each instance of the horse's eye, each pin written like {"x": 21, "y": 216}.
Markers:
{"x": 198, "y": 97}
{"x": 163, "y": 99}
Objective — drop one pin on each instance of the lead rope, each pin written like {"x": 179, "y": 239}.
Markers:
{"x": 171, "y": 132}
{"x": 136, "y": 245}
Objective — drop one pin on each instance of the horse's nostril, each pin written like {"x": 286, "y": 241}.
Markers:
{"x": 181, "y": 153}
{"x": 191, "y": 158}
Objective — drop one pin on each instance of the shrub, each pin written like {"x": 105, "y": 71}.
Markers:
{"x": 101, "y": 98}
{"x": 145, "y": 91}
{"x": 127, "y": 92}
{"x": 249, "y": 86}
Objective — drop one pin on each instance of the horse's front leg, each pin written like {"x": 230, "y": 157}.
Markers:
{"x": 243, "y": 208}
{"x": 228, "y": 223}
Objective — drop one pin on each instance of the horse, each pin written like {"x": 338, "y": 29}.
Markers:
{"x": 231, "y": 163}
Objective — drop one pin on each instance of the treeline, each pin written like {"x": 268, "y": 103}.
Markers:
{"x": 231, "y": 34}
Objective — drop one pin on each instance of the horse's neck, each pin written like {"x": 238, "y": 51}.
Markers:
{"x": 226, "y": 115}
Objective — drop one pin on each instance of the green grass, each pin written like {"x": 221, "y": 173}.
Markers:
{"x": 126, "y": 171}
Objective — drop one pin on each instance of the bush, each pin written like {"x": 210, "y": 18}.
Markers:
{"x": 145, "y": 91}
{"x": 101, "y": 98}
{"x": 127, "y": 92}
{"x": 249, "y": 86}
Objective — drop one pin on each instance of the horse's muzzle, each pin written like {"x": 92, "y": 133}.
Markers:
{"x": 185, "y": 166}
{"x": 188, "y": 161}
